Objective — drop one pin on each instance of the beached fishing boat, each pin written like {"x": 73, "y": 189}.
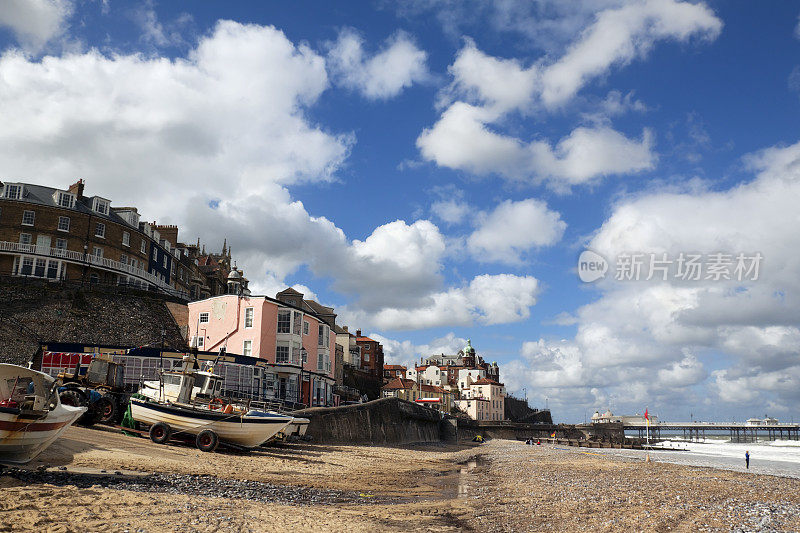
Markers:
{"x": 31, "y": 413}
{"x": 186, "y": 402}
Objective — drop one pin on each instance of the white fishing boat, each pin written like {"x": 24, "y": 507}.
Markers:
{"x": 31, "y": 414}
{"x": 186, "y": 402}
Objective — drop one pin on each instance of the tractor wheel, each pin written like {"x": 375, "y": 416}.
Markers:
{"x": 75, "y": 397}
{"x": 207, "y": 441}
{"x": 160, "y": 432}
{"x": 107, "y": 409}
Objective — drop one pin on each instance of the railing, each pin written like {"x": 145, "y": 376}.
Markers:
{"x": 82, "y": 258}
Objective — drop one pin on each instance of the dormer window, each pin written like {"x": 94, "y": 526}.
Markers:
{"x": 13, "y": 191}
{"x": 101, "y": 206}
{"x": 65, "y": 199}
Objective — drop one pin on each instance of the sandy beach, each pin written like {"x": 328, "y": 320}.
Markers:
{"x": 499, "y": 486}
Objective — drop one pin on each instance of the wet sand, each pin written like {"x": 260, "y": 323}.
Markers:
{"x": 508, "y": 487}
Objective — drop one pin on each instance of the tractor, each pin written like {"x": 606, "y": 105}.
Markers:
{"x": 101, "y": 389}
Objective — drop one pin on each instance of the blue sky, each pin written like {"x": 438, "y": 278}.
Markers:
{"x": 434, "y": 169}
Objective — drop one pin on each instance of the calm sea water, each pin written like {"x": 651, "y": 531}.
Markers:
{"x": 778, "y": 458}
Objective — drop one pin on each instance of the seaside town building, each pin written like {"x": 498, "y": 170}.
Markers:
{"x": 64, "y": 235}
{"x": 409, "y": 390}
{"x": 291, "y": 334}
{"x": 453, "y": 372}
{"x": 483, "y": 400}
{"x": 391, "y": 372}
{"x": 371, "y": 355}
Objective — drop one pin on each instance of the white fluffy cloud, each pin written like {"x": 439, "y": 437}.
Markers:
{"x": 514, "y": 228}
{"x": 667, "y": 336}
{"x": 462, "y": 140}
{"x": 487, "y": 299}
{"x": 485, "y": 90}
{"x": 35, "y": 22}
{"x": 397, "y": 66}
{"x": 618, "y": 36}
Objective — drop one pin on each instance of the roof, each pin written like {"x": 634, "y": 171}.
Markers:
{"x": 400, "y": 383}
{"x": 486, "y": 381}
{"x": 394, "y": 367}
{"x": 365, "y": 339}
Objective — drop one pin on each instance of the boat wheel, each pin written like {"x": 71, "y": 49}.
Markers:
{"x": 160, "y": 432}
{"x": 207, "y": 441}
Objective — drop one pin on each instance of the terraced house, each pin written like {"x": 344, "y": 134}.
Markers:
{"x": 61, "y": 234}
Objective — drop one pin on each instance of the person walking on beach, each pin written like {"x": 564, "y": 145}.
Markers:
{"x": 747, "y": 459}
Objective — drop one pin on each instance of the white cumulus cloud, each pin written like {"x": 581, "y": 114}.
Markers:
{"x": 514, "y": 228}
{"x": 35, "y": 22}
{"x": 397, "y": 66}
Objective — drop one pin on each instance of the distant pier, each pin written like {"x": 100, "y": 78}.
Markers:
{"x": 741, "y": 432}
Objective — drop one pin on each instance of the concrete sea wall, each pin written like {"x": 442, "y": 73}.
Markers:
{"x": 383, "y": 421}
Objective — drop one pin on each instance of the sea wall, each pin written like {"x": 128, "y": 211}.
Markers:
{"x": 383, "y": 421}
{"x": 34, "y": 311}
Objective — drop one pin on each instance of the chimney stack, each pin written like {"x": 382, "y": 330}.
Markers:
{"x": 77, "y": 188}
{"x": 358, "y": 333}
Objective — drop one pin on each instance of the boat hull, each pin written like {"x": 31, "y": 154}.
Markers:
{"x": 23, "y": 438}
{"x": 241, "y": 430}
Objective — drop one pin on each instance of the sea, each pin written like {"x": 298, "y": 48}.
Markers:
{"x": 777, "y": 458}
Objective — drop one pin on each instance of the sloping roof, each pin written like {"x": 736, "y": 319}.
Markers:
{"x": 394, "y": 367}
{"x": 433, "y": 388}
{"x": 365, "y": 339}
{"x": 486, "y": 381}
{"x": 400, "y": 383}
{"x": 319, "y": 308}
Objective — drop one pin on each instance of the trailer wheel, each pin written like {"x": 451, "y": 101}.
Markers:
{"x": 160, "y": 432}
{"x": 207, "y": 441}
{"x": 107, "y": 409}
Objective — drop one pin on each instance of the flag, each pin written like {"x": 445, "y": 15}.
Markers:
{"x": 553, "y": 435}
{"x": 646, "y": 416}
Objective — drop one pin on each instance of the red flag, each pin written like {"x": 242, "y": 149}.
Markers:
{"x": 646, "y": 416}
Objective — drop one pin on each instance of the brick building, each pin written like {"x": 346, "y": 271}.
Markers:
{"x": 62, "y": 234}
{"x": 371, "y": 355}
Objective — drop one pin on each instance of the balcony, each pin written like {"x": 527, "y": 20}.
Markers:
{"x": 91, "y": 260}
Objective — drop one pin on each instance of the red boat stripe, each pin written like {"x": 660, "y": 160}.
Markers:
{"x": 30, "y": 426}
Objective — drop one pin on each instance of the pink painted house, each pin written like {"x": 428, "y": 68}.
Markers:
{"x": 292, "y": 334}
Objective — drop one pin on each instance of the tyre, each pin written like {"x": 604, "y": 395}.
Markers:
{"x": 107, "y": 409}
{"x": 206, "y": 441}
{"x": 160, "y": 432}
{"x": 73, "y": 398}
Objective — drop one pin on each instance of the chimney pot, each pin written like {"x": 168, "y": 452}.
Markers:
{"x": 358, "y": 333}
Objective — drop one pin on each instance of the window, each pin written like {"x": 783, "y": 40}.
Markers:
{"x": 247, "y": 348}
{"x": 200, "y": 340}
{"x": 101, "y": 206}
{"x": 305, "y": 327}
{"x": 63, "y": 223}
{"x": 284, "y": 321}
{"x": 320, "y": 361}
{"x": 52, "y": 269}
{"x": 14, "y": 191}
{"x": 100, "y": 230}
{"x": 203, "y": 318}
{"x": 39, "y": 269}
{"x": 97, "y": 252}
{"x": 65, "y": 199}
{"x": 61, "y": 244}
{"x": 28, "y": 217}
{"x": 24, "y": 238}
{"x": 143, "y": 248}
{"x": 27, "y": 266}
{"x": 165, "y": 261}
{"x": 282, "y": 354}
{"x": 366, "y": 358}
{"x": 248, "y": 317}
{"x": 126, "y": 239}
{"x": 123, "y": 258}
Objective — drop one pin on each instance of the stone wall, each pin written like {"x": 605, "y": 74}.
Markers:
{"x": 384, "y": 421}
{"x": 35, "y": 311}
